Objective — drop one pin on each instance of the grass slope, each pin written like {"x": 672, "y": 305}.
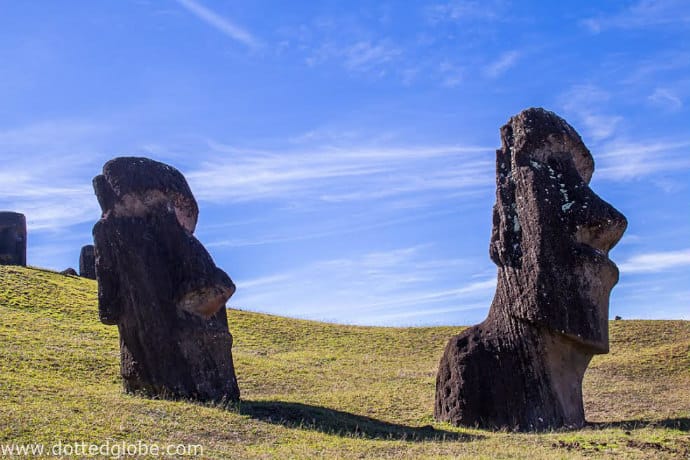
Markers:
{"x": 311, "y": 389}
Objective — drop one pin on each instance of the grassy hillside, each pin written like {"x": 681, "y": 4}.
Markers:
{"x": 311, "y": 389}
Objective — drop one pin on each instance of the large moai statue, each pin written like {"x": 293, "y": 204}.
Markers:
{"x": 158, "y": 284}
{"x": 12, "y": 238}
{"x": 87, "y": 262}
{"x": 522, "y": 367}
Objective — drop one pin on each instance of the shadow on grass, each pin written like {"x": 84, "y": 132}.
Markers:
{"x": 330, "y": 421}
{"x": 681, "y": 423}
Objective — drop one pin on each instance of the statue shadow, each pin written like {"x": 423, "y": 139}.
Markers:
{"x": 680, "y": 423}
{"x": 331, "y": 421}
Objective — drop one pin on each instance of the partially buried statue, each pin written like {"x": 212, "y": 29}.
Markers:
{"x": 12, "y": 238}
{"x": 158, "y": 284}
{"x": 522, "y": 367}
{"x": 87, "y": 262}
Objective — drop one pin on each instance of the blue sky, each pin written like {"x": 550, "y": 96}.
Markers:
{"x": 342, "y": 153}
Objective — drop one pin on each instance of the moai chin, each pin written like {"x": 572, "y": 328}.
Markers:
{"x": 158, "y": 284}
{"x": 522, "y": 367}
{"x": 12, "y": 238}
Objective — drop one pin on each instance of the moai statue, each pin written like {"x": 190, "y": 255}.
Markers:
{"x": 87, "y": 262}
{"x": 12, "y": 238}
{"x": 158, "y": 284}
{"x": 522, "y": 367}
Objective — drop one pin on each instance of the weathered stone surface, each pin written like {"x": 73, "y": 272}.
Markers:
{"x": 69, "y": 271}
{"x": 87, "y": 262}
{"x": 12, "y": 238}
{"x": 160, "y": 286}
{"x": 522, "y": 367}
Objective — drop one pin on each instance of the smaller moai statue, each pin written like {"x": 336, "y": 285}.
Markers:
{"x": 160, "y": 286}
{"x": 87, "y": 262}
{"x": 12, "y": 238}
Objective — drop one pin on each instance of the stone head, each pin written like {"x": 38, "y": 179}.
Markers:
{"x": 161, "y": 214}
{"x": 136, "y": 187}
{"x": 12, "y": 238}
{"x": 551, "y": 232}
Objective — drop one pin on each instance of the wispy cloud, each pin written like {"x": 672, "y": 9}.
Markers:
{"x": 53, "y": 189}
{"x": 326, "y": 135}
{"x": 264, "y": 281}
{"x": 600, "y": 126}
{"x": 467, "y": 290}
{"x": 665, "y": 98}
{"x": 330, "y": 174}
{"x": 588, "y": 105}
{"x": 397, "y": 286}
{"x": 502, "y": 63}
{"x": 364, "y": 57}
{"x": 51, "y": 138}
{"x": 52, "y": 208}
{"x": 464, "y": 10}
{"x": 356, "y": 43}
{"x": 663, "y": 66}
{"x": 451, "y": 74}
{"x": 654, "y": 262}
{"x": 617, "y": 157}
{"x": 359, "y": 224}
{"x": 643, "y": 14}
{"x": 430, "y": 316}
{"x": 623, "y": 160}
{"x": 220, "y": 23}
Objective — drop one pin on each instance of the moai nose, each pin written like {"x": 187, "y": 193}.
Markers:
{"x": 599, "y": 224}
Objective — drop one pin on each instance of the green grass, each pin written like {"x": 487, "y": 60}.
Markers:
{"x": 312, "y": 389}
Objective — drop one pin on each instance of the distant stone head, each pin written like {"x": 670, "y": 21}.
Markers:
{"x": 522, "y": 367}
{"x": 87, "y": 262}
{"x": 12, "y": 238}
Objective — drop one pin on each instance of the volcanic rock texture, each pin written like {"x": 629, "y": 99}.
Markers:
{"x": 158, "y": 284}
{"x": 522, "y": 367}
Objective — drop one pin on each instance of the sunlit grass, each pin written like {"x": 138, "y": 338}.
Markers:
{"x": 313, "y": 389}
